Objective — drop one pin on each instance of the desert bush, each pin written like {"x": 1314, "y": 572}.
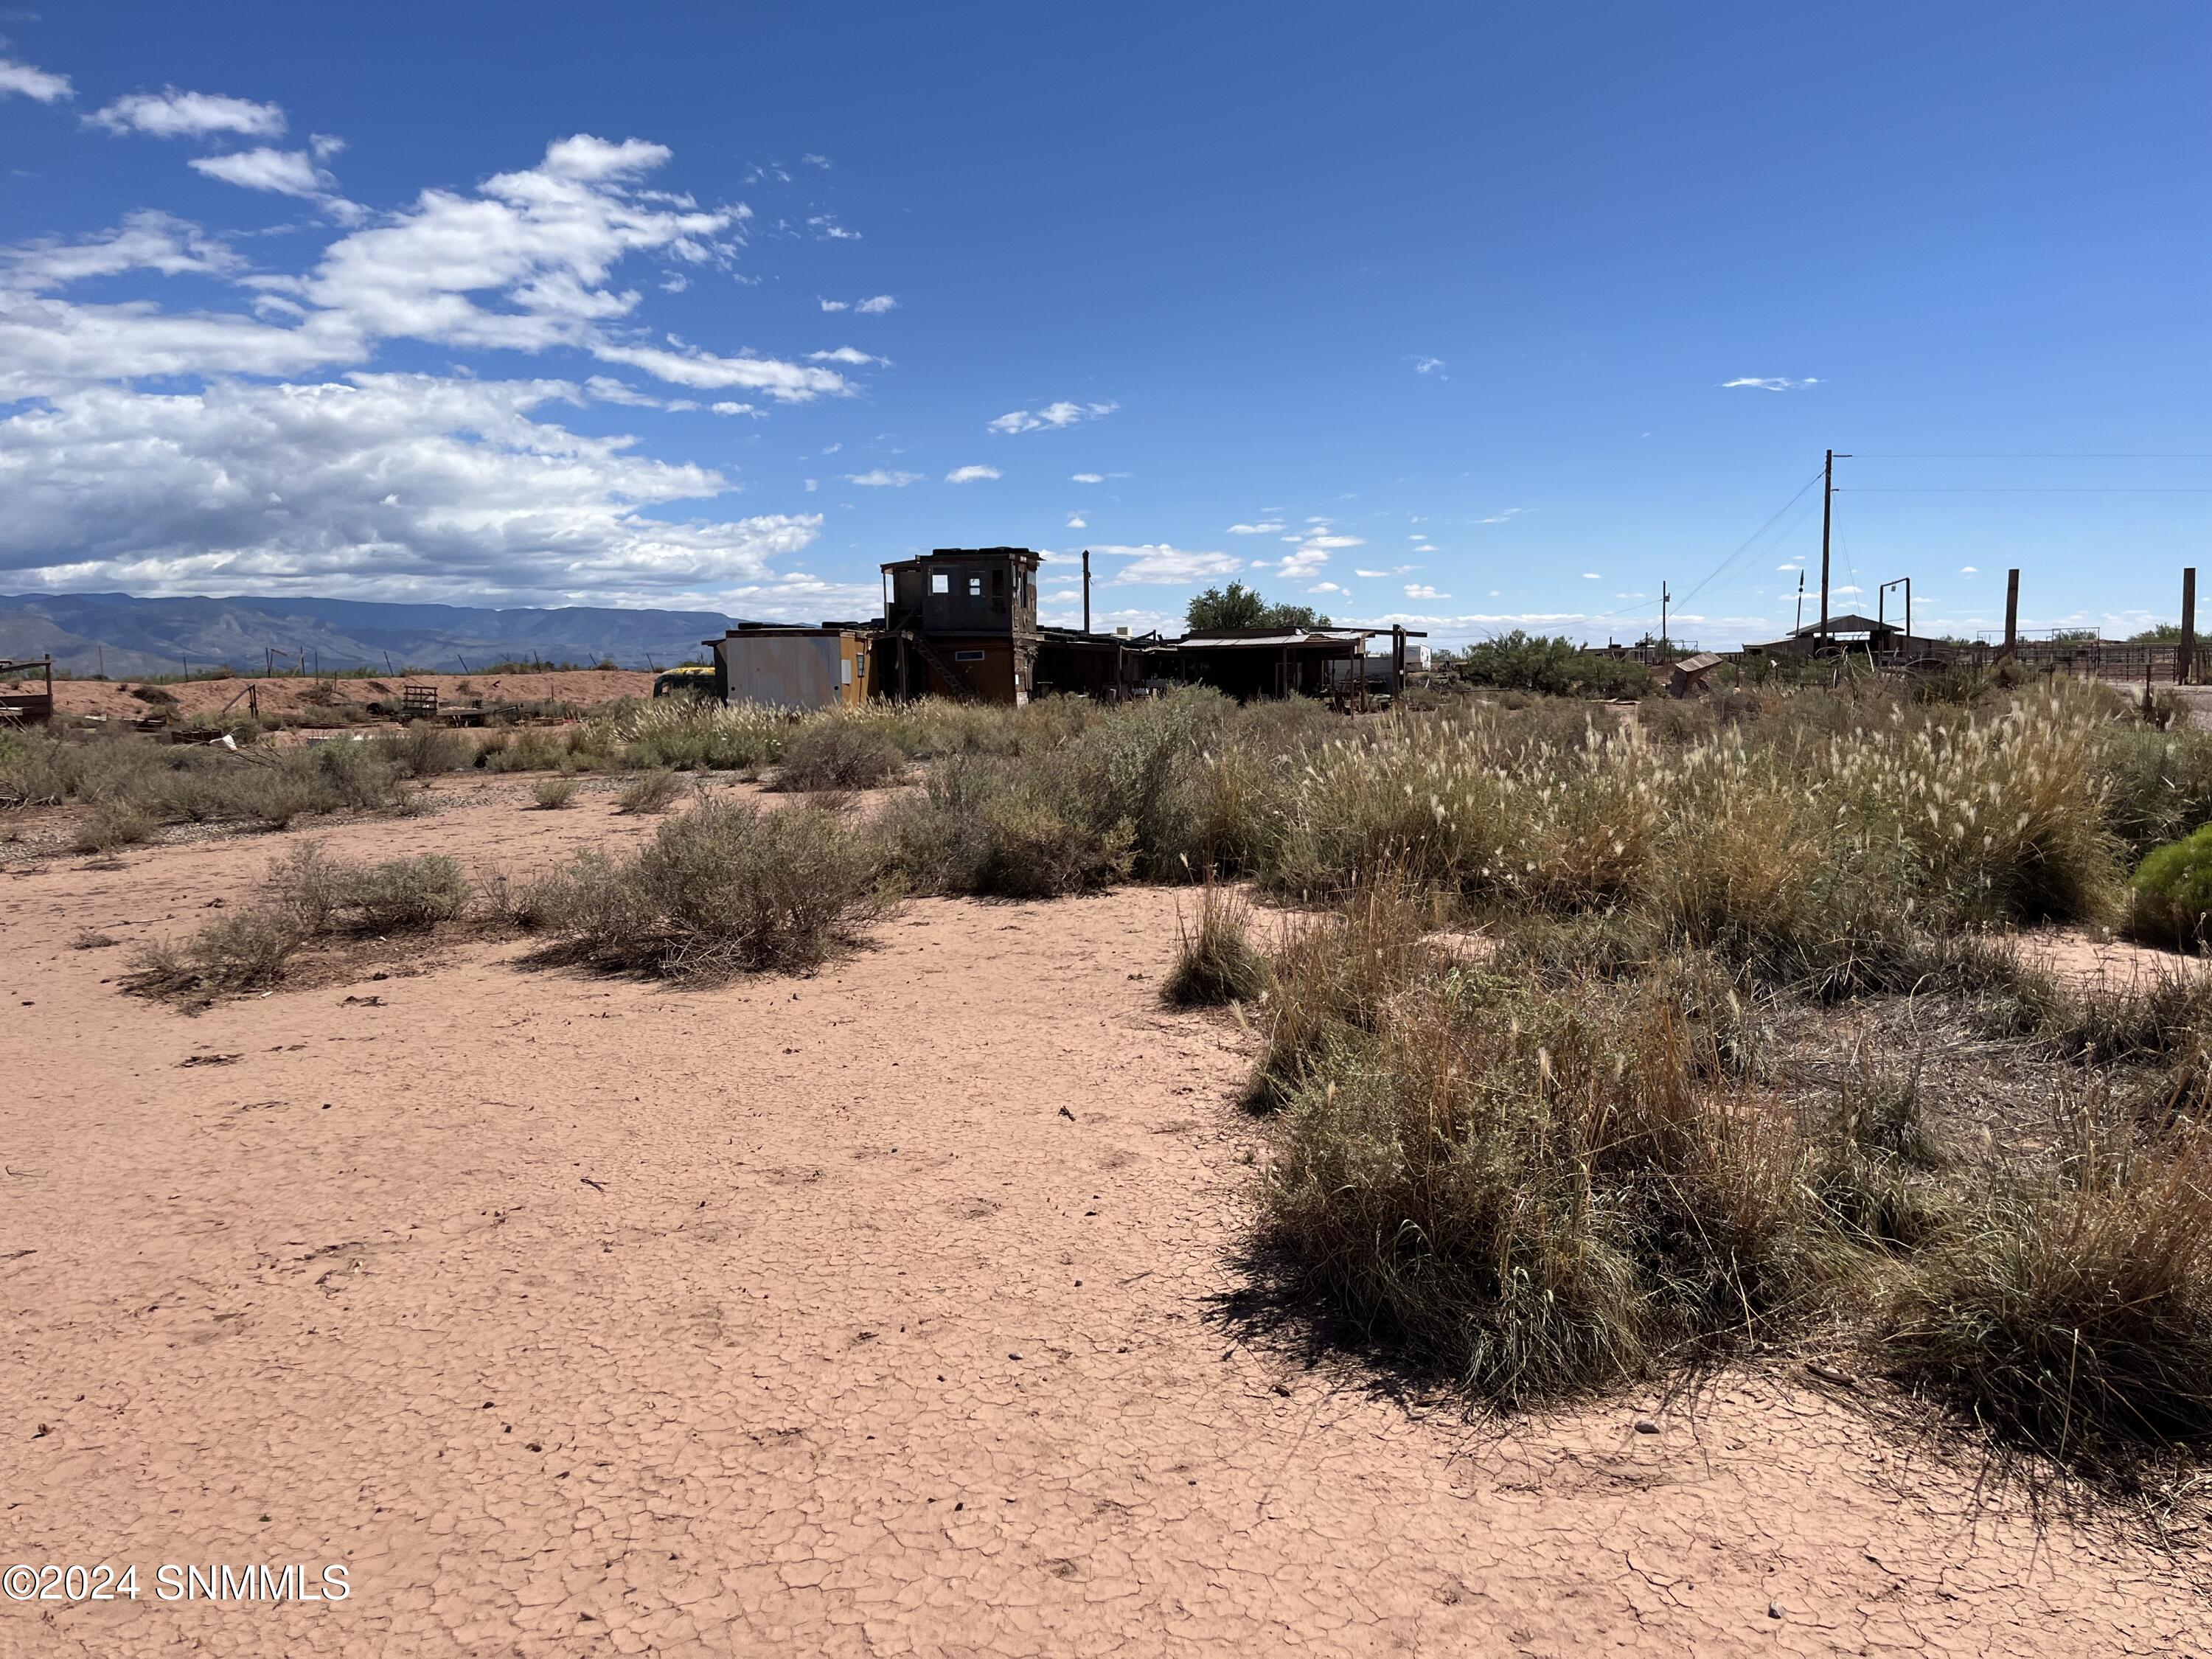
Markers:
{"x": 553, "y": 794}
{"x": 303, "y": 897}
{"x": 839, "y": 752}
{"x": 688, "y": 734}
{"x": 112, "y": 824}
{"x": 724, "y": 887}
{"x": 1540, "y": 1192}
{"x": 1216, "y": 962}
{"x": 2159, "y": 785}
{"x": 2171, "y": 892}
{"x": 423, "y": 751}
{"x": 653, "y": 792}
{"x": 2074, "y": 1315}
{"x": 1004, "y": 826}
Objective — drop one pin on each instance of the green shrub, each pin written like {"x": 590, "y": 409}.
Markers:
{"x": 553, "y": 794}
{"x": 724, "y": 887}
{"x": 2171, "y": 892}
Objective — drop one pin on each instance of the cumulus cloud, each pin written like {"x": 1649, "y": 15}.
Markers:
{"x": 1305, "y": 562}
{"x": 1418, "y": 591}
{"x": 1159, "y": 562}
{"x": 883, "y": 478}
{"x": 41, "y": 86}
{"x": 1052, "y": 414}
{"x": 524, "y": 264}
{"x": 1427, "y": 365}
{"x": 971, "y": 474}
{"x": 1087, "y": 477}
{"x": 876, "y": 304}
{"x": 1776, "y": 383}
{"x": 171, "y": 113}
{"x": 148, "y": 451}
{"x": 1077, "y": 521}
{"x": 391, "y": 485}
{"x": 850, "y": 355}
{"x": 287, "y": 171}
{"x": 1266, "y": 527}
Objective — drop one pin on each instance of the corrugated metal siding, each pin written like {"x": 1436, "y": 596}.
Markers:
{"x": 786, "y": 670}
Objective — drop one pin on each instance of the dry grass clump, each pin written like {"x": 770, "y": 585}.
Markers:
{"x": 653, "y": 792}
{"x": 840, "y": 752}
{"x": 112, "y": 824}
{"x": 1005, "y": 827}
{"x": 304, "y": 898}
{"x": 725, "y": 887}
{"x": 2074, "y": 1315}
{"x": 1216, "y": 962}
{"x": 551, "y": 794}
{"x": 1540, "y": 1192}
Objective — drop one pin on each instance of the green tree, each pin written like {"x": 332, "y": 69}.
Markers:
{"x": 1237, "y": 606}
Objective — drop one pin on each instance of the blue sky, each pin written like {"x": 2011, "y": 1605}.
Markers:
{"x": 1472, "y": 317}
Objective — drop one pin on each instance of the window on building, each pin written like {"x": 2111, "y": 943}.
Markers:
{"x": 940, "y": 582}
{"x": 968, "y": 656}
{"x": 975, "y": 588}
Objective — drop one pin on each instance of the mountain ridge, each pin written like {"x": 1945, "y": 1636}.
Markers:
{"x": 124, "y": 635}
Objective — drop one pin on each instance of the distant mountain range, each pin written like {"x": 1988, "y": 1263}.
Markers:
{"x": 123, "y": 637}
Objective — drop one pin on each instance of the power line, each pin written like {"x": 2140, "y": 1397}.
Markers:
{"x": 2027, "y": 489}
{"x": 2049, "y": 455}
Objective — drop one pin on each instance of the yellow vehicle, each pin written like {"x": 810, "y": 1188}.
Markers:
{"x": 692, "y": 679}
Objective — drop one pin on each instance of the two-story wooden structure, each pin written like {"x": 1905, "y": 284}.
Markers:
{"x": 961, "y": 622}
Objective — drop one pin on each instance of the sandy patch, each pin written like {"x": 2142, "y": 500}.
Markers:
{"x": 878, "y": 1312}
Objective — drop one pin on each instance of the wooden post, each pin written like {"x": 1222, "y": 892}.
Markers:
{"x": 1397, "y": 661}
{"x": 1086, "y": 590}
{"x": 2012, "y": 611}
{"x": 2185, "y": 663}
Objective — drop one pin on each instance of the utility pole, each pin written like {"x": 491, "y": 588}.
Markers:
{"x": 2184, "y": 660}
{"x": 1799, "y": 626}
{"x": 1828, "y": 524}
{"x": 2012, "y": 611}
{"x": 1086, "y": 590}
{"x": 1665, "y": 599}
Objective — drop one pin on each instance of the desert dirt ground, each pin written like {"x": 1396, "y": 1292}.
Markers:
{"x": 289, "y": 694}
{"x": 889, "y": 1311}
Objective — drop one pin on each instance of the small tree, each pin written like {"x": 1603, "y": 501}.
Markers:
{"x": 1220, "y": 610}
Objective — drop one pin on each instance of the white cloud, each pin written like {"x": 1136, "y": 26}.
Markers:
{"x": 881, "y": 478}
{"x": 523, "y": 264}
{"x": 1305, "y": 562}
{"x": 171, "y": 113}
{"x": 21, "y": 81}
{"x": 737, "y": 409}
{"x": 325, "y": 145}
{"x": 1265, "y": 528}
{"x": 1325, "y": 544}
{"x": 287, "y": 172}
{"x": 1086, "y": 478}
{"x": 971, "y": 474}
{"x": 812, "y": 484}
{"x": 1506, "y": 517}
{"x": 1591, "y": 576}
{"x": 1052, "y": 414}
{"x": 606, "y": 389}
{"x": 1427, "y": 365}
{"x": 1157, "y": 562}
{"x": 1968, "y": 570}
{"x": 836, "y": 304}
{"x": 392, "y": 486}
{"x": 876, "y": 304}
{"x": 825, "y": 226}
{"x": 1776, "y": 383}
{"x": 849, "y": 355}
{"x": 813, "y": 161}
{"x": 1077, "y": 521}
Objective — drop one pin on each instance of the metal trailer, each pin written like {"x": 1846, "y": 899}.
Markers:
{"x": 802, "y": 668}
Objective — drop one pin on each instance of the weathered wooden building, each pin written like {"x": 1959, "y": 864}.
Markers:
{"x": 825, "y": 666}
{"x": 961, "y": 622}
